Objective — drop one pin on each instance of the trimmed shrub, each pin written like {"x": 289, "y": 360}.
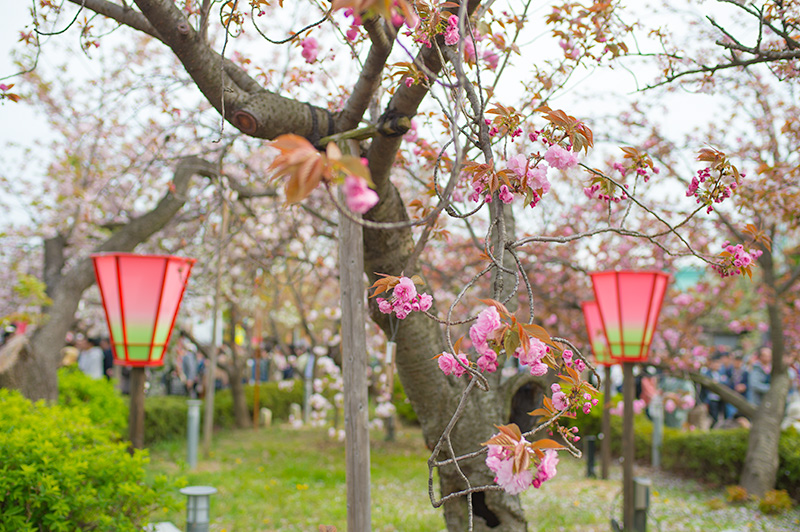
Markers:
{"x": 165, "y": 417}
{"x": 61, "y": 472}
{"x": 104, "y": 405}
{"x": 717, "y": 455}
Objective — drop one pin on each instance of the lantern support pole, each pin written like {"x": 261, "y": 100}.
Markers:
{"x": 628, "y": 443}
{"x": 208, "y": 425}
{"x": 136, "y": 419}
{"x": 605, "y": 445}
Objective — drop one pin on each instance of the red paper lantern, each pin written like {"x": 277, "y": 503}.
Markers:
{"x": 141, "y": 295}
{"x": 597, "y": 336}
{"x": 629, "y": 304}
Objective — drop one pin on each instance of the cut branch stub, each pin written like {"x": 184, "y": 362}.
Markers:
{"x": 393, "y": 124}
{"x": 267, "y": 115}
{"x": 245, "y": 122}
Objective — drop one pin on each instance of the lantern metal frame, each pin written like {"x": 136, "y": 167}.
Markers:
{"x": 629, "y": 322}
{"x": 112, "y": 292}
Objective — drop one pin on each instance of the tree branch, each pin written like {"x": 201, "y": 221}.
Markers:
{"x": 746, "y": 408}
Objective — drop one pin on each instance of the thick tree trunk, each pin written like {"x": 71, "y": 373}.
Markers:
{"x": 36, "y": 373}
{"x": 241, "y": 413}
{"x": 761, "y": 464}
{"x": 435, "y": 396}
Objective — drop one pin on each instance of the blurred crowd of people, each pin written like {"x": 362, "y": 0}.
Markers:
{"x": 689, "y": 405}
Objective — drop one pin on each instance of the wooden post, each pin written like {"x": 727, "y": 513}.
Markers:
{"x": 605, "y": 445}
{"x": 256, "y": 387}
{"x": 136, "y": 414}
{"x": 211, "y": 370}
{"x": 628, "y": 442}
{"x": 354, "y": 373}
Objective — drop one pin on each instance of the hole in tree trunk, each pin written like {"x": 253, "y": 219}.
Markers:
{"x": 481, "y": 510}
{"x": 528, "y": 398}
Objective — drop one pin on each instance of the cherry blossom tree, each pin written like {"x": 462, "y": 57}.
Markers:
{"x": 413, "y": 118}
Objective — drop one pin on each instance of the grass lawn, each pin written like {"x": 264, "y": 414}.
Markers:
{"x": 284, "y": 479}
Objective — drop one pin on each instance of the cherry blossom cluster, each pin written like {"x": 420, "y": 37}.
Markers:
{"x": 562, "y": 400}
{"x": 490, "y": 57}
{"x": 405, "y": 300}
{"x": 708, "y": 190}
{"x": 525, "y": 177}
{"x": 638, "y": 407}
{"x": 310, "y": 49}
{"x": 517, "y": 463}
{"x": 736, "y": 260}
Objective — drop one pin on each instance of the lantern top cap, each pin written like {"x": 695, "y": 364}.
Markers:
{"x": 142, "y": 255}
{"x": 196, "y": 491}
{"x": 652, "y": 272}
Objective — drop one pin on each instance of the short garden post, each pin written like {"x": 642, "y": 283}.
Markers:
{"x": 197, "y": 507}
{"x": 193, "y": 431}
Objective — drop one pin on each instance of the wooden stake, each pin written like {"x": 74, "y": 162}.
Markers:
{"x": 605, "y": 445}
{"x": 211, "y": 370}
{"x": 136, "y": 414}
{"x": 628, "y": 442}
{"x": 354, "y": 372}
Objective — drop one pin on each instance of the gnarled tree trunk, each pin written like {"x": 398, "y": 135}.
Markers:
{"x": 760, "y": 470}
{"x": 35, "y": 373}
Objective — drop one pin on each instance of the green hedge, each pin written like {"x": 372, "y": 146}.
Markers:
{"x": 716, "y": 456}
{"x": 61, "y": 472}
{"x": 165, "y": 417}
{"x": 403, "y": 406}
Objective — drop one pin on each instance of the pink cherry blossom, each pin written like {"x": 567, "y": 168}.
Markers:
{"x": 534, "y": 354}
{"x": 547, "y": 468}
{"x": 449, "y": 365}
{"x": 488, "y": 322}
{"x": 358, "y": 196}
{"x": 505, "y": 195}
{"x": 560, "y": 400}
{"x": 488, "y": 362}
{"x": 405, "y": 290}
{"x": 559, "y": 158}
{"x": 669, "y": 406}
{"x": 517, "y": 164}
{"x": 451, "y": 33}
{"x": 539, "y": 369}
{"x": 310, "y": 49}
{"x": 501, "y": 462}
{"x": 537, "y": 178}
{"x": 491, "y": 58}
{"x": 425, "y": 302}
{"x": 385, "y": 306}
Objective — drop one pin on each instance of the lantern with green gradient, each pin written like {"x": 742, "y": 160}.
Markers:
{"x": 629, "y": 304}
{"x": 141, "y": 295}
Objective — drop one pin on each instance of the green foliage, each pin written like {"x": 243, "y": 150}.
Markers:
{"x": 165, "y": 417}
{"x": 29, "y": 293}
{"x": 775, "y": 502}
{"x": 61, "y": 472}
{"x": 103, "y": 404}
{"x": 403, "y": 406}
